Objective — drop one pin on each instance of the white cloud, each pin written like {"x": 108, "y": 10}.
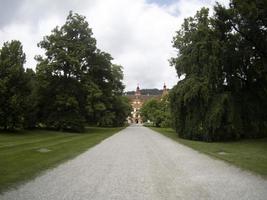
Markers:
{"x": 137, "y": 34}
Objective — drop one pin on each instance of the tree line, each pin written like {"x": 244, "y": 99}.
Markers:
{"x": 74, "y": 84}
{"x": 223, "y": 59}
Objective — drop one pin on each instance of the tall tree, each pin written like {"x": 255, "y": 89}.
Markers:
{"x": 222, "y": 94}
{"x": 77, "y": 82}
{"x": 62, "y": 74}
{"x": 13, "y": 85}
{"x": 248, "y": 28}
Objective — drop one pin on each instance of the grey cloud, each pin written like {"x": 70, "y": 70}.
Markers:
{"x": 32, "y": 11}
{"x": 9, "y": 10}
{"x": 137, "y": 34}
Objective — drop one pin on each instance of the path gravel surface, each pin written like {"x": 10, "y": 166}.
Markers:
{"x": 140, "y": 164}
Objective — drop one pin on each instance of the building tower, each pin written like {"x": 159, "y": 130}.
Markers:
{"x": 136, "y": 105}
{"x": 137, "y": 92}
{"x": 165, "y": 90}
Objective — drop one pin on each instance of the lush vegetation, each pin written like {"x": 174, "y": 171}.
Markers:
{"x": 250, "y": 154}
{"x": 75, "y": 83}
{"x": 15, "y": 87}
{"x": 157, "y": 111}
{"x": 25, "y": 154}
{"x": 223, "y": 60}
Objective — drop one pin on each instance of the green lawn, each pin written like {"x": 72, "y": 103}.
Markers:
{"x": 23, "y": 155}
{"x": 250, "y": 154}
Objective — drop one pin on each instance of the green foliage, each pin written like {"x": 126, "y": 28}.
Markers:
{"x": 116, "y": 115}
{"x": 31, "y": 109}
{"x": 14, "y": 88}
{"x": 77, "y": 83}
{"x": 225, "y": 73}
{"x": 63, "y": 74}
{"x": 121, "y": 109}
{"x": 157, "y": 111}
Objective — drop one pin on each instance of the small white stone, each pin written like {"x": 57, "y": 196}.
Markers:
{"x": 43, "y": 150}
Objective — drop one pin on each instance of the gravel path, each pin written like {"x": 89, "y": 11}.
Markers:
{"x": 139, "y": 164}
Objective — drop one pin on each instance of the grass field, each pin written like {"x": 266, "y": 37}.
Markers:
{"x": 250, "y": 154}
{"x": 23, "y": 155}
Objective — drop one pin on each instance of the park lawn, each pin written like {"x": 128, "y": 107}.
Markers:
{"x": 249, "y": 154}
{"x": 21, "y": 159}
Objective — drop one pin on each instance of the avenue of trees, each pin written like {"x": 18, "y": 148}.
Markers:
{"x": 75, "y": 83}
{"x": 223, "y": 60}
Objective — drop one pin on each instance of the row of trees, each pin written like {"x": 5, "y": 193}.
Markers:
{"x": 224, "y": 61}
{"x": 75, "y": 83}
{"x": 157, "y": 111}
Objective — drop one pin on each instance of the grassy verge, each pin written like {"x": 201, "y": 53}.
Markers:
{"x": 249, "y": 154}
{"x": 23, "y": 155}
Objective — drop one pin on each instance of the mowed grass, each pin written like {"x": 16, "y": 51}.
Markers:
{"x": 25, "y": 154}
{"x": 249, "y": 154}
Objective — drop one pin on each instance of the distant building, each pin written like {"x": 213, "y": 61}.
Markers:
{"x": 137, "y": 100}
{"x": 165, "y": 90}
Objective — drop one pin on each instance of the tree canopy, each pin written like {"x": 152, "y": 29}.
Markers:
{"x": 223, "y": 60}
{"x": 75, "y": 82}
{"x": 14, "y": 88}
{"x": 157, "y": 111}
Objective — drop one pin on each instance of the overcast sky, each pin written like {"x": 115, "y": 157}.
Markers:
{"x": 137, "y": 33}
